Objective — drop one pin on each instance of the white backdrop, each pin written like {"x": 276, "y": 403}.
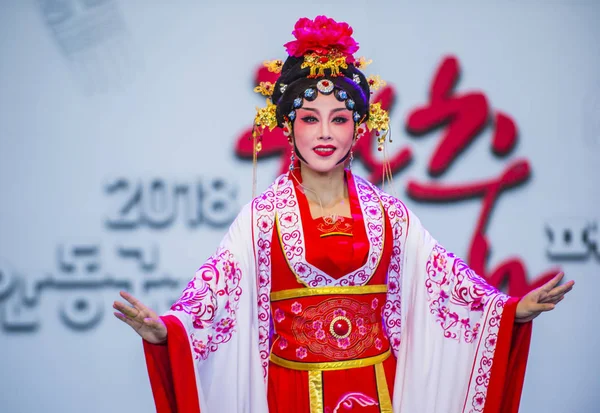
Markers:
{"x": 119, "y": 122}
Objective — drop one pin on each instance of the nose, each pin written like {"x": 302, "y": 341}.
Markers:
{"x": 325, "y": 132}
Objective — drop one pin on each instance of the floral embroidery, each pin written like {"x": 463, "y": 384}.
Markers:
{"x": 343, "y": 343}
{"x": 263, "y": 334}
{"x": 320, "y": 335}
{"x": 213, "y": 292}
{"x": 372, "y": 211}
{"x": 279, "y": 315}
{"x": 478, "y": 401}
{"x": 339, "y": 313}
{"x": 490, "y": 341}
{"x": 282, "y": 343}
{"x": 374, "y": 303}
{"x": 301, "y": 352}
{"x": 292, "y": 236}
{"x": 225, "y": 325}
{"x": 296, "y": 308}
{"x": 331, "y": 328}
{"x": 265, "y": 223}
{"x": 263, "y": 211}
{"x": 200, "y": 349}
{"x": 378, "y": 344}
{"x": 301, "y": 269}
{"x": 391, "y": 310}
{"x": 468, "y": 309}
{"x": 289, "y": 219}
{"x": 457, "y": 295}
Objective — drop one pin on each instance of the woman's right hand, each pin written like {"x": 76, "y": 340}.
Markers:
{"x": 143, "y": 320}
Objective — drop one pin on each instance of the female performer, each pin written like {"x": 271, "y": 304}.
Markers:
{"x": 327, "y": 294}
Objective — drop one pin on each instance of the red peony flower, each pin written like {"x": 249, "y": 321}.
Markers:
{"x": 320, "y": 36}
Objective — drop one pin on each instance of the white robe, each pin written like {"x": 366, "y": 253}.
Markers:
{"x": 441, "y": 318}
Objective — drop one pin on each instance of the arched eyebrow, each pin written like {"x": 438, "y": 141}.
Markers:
{"x": 317, "y": 110}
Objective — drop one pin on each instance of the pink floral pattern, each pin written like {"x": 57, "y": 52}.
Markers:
{"x": 282, "y": 343}
{"x": 320, "y": 335}
{"x": 292, "y": 235}
{"x": 279, "y": 315}
{"x": 301, "y": 352}
{"x": 343, "y": 343}
{"x": 296, "y": 308}
{"x": 378, "y": 344}
{"x": 339, "y": 313}
{"x": 211, "y": 299}
{"x": 200, "y": 349}
{"x": 468, "y": 309}
{"x": 399, "y": 220}
{"x": 457, "y": 295}
{"x": 478, "y": 386}
{"x": 225, "y": 326}
{"x": 289, "y": 219}
{"x": 265, "y": 223}
{"x": 281, "y": 196}
{"x": 263, "y": 211}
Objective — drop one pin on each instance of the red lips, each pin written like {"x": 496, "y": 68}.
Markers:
{"x": 324, "y": 150}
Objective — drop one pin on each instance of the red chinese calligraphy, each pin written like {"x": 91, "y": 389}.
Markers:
{"x": 464, "y": 117}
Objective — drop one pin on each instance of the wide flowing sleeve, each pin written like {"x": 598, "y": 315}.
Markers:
{"x": 211, "y": 361}
{"x": 457, "y": 345}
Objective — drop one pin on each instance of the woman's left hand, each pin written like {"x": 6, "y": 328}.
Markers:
{"x": 542, "y": 299}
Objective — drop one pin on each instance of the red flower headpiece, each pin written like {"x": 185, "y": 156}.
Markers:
{"x": 322, "y": 36}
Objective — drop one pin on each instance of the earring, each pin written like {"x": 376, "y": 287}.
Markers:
{"x": 360, "y": 131}
{"x": 351, "y": 158}
{"x": 292, "y": 160}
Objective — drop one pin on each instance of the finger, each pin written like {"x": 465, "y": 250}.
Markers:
{"x": 557, "y": 292}
{"x": 567, "y": 286}
{"x": 557, "y": 300}
{"x": 145, "y": 311}
{"x": 130, "y": 298}
{"x": 127, "y": 310}
{"x": 132, "y": 323}
{"x": 545, "y": 307}
{"x": 553, "y": 282}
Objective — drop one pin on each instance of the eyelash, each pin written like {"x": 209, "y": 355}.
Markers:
{"x": 311, "y": 119}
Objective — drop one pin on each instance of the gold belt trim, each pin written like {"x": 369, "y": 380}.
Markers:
{"x": 385, "y": 403}
{"x": 330, "y": 365}
{"x": 315, "y": 389}
{"x": 314, "y": 291}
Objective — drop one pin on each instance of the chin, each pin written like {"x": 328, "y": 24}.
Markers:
{"x": 320, "y": 166}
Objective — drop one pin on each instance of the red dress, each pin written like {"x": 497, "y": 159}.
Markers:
{"x": 329, "y": 350}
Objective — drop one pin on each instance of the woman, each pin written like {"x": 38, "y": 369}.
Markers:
{"x": 327, "y": 294}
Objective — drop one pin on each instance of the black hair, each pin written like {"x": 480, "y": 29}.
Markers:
{"x": 294, "y": 81}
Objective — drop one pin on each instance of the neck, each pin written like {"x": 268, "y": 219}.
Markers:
{"x": 328, "y": 187}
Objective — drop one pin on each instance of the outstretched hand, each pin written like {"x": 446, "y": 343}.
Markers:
{"x": 542, "y": 299}
{"x": 142, "y": 319}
